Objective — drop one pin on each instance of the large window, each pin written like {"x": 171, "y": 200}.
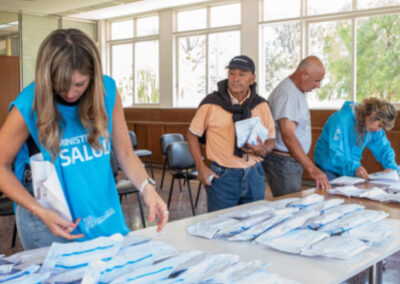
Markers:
{"x": 358, "y": 41}
{"x": 205, "y": 42}
{"x": 135, "y": 60}
{"x": 280, "y": 53}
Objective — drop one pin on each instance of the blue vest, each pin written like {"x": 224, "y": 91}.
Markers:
{"x": 85, "y": 173}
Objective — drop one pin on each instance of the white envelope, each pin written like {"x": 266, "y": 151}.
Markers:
{"x": 47, "y": 188}
{"x": 248, "y": 130}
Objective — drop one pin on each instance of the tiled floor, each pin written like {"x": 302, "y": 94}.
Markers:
{"x": 180, "y": 208}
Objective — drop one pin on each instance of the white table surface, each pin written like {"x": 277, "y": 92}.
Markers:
{"x": 296, "y": 267}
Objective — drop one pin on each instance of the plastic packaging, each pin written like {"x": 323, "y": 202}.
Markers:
{"x": 352, "y": 220}
{"x": 19, "y": 274}
{"x": 289, "y": 224}
{"x": 282, "y": 203}
{"x": 349, "y": 191}
{"x": 128, "y": 260}
{"x": 374, "y": 232}
{"x": 209, "y": 228}
{"x": 342, "y": 247}
{"x": 247, "y": 212}
{"x": 72, "y": 255}
{"x": 296, "y": 240}
{"x": 332, "y": 214}
{"x": 244, "y": 225}
{"x": 307, "y": 201}
{"x": 258, "y": 229}
{"x": 327, "y": 204}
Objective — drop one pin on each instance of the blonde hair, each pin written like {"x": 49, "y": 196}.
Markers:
{"x": 384, "y": 112}
{"x": 60, "y": 54}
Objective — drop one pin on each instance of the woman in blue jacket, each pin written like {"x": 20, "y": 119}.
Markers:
{"x": 348, "y": 131}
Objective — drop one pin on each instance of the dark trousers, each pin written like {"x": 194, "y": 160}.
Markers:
{"x": 283, "y": 174}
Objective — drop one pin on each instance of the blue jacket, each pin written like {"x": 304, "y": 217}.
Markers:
{"x": 337, "y": 149}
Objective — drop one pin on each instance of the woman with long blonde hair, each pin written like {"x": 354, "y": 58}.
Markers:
{"x": 72, "y": 115}
{"x": 348, "y": 131}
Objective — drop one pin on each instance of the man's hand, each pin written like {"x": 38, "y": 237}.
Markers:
{"x": 320, "y": 178}
{"x": 269, "y": 144}
{"x": 259, "y": 150}
{"x": 362, "y": 173}
{"x": 204, "y": 174}
{"x": 156, "y": 205}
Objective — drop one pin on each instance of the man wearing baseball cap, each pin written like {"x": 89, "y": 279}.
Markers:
{"x": 236, "y": 175}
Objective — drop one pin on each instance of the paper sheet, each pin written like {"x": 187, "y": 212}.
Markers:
{"x": 346, "y": 180}
{"x": 47, "y": 188}
{"x": 385, "y": 176}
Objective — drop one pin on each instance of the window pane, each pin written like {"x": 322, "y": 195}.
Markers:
{"x": 192, "y": 20}
{"x": 324, "y": 7}
{"x": 367, "y": 4}
{"x": 147, "y": 26}
{"x": 218, "y": 16}
{"x": 281, "y": 9}
{"x": 146, "y": 72}
{"x": 378, "y": 68}
{"x": 221, "y": 47}
{"x": 3, "y": 50}
{"x": 120, "y": 30}
{"x": 121, "y": 71}
{"x": 331, "y": 42}
{"x": 281, "y": 54}
{"x": 192, "y": 71}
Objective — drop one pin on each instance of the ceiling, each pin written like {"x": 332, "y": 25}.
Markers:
{"x": 90, "y": 9}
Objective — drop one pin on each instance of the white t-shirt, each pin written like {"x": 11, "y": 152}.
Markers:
{"x": 287, "y": 101}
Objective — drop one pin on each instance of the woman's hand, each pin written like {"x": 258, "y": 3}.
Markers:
{"x": 362, "y": 173}
{"x": 57, "y": 225}
{"x": 156, "y": 205}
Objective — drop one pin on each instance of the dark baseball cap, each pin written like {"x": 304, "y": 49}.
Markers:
{"x": 242, "y": 62}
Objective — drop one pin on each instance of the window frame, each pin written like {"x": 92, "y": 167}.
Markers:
{"x": 135, "y": 39}
{"x": 198, "y": 32}
{"x": 305, "y": 20}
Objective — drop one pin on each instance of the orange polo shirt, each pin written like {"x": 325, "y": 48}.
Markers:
{"x": 220, "y": 134}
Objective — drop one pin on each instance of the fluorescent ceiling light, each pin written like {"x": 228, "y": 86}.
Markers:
{"x": 132, "y": 8}
{"x": 3, "y": 26}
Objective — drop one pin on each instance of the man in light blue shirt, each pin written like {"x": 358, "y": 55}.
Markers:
{"x": 284, "y": 166}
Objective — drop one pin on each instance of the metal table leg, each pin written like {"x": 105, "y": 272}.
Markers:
{"x": 375, "y": 273}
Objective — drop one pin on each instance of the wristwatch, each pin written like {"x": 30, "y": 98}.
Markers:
{"x": 145, "y": 182}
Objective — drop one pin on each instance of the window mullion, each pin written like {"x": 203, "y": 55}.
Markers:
{"x": 354, "y": 59}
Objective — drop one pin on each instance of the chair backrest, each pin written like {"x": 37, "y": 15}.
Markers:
{"x": 132, "y": 135}
{"x": 179, "y": 156}
{"x": 167, "y": 139}
{"x": 114, "y": 163}
{"x": 6, "y": 206}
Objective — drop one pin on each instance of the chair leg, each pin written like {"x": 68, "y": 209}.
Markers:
{"x": 163, "y": 174}
{"x": 190, "y": 196}
{"x": 14, "y": 235}
{"x": 141, "y": 209}
{"x": 180, "y": 185}
{"x": 198, "y": 195}
{"x": 151, "y": 167}
{"x": 170, "y": 191}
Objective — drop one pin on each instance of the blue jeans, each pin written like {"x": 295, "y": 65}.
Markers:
{"x": 283, "y": 174}
{"x": 235, "y": 186}
{"x": 33, "y": 233}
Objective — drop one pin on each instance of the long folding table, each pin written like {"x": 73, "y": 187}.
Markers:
{"x": 304, "y": 269}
